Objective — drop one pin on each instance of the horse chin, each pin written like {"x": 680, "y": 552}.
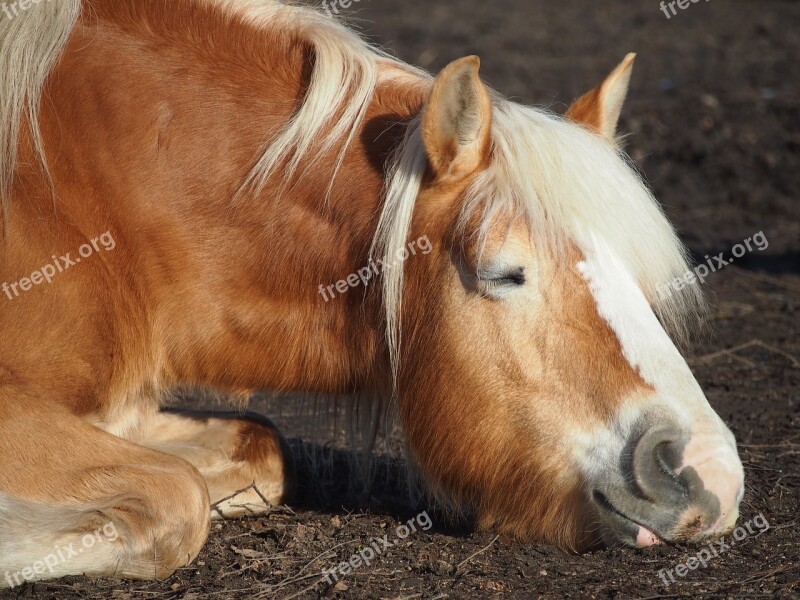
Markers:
{"x": 619, "y": 528}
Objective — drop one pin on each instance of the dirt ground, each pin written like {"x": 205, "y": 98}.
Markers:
{"x": 712, "y": 118}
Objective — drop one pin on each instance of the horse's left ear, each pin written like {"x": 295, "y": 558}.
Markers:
{"x": 600, "y": 108}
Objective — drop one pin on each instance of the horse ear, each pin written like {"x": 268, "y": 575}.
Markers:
{"x": 457, "y": 120}
{"x": 600, "y": 108}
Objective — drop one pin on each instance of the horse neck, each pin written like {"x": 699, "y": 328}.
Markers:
{"x": 230, "y": 289}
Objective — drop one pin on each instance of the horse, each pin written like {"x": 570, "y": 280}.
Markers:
{"x": 180, "y": 181}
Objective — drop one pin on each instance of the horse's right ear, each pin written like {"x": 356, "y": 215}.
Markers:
{"x": 457, "y": 120}
{"x": 600, "y": 109}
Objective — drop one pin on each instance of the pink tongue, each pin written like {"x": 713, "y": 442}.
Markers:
{"x": 646, "y": 538}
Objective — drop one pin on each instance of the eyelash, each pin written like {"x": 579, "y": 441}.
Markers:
{"x": 509, "y": 278}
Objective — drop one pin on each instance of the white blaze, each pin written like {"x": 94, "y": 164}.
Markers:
{"x": 711, "y": 450}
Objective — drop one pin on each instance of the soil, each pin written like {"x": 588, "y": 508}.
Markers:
{"x": 712, "y": 118}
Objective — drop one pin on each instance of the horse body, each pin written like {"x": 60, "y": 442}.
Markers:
{"x": 175, "y": 227}
{"x": 235, "y": 178}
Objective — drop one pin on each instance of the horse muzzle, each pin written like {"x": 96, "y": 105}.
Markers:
{"x": 672, "y": 487}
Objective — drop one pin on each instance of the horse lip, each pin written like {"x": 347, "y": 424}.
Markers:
{"x": 603, "y": 503}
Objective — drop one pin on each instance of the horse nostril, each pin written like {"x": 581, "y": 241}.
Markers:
{"x": 656, "y": 458}
{"x": 669, "y": 457}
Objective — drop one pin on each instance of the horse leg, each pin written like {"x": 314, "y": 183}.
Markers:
{"x": 76, "y": 500}
{"x": 242, "y": 453}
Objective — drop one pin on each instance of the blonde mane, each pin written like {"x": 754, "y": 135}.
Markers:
{"x": 571, "y": 186}
{"x": 29, "y": 49}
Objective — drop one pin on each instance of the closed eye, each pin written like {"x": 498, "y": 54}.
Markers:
{"x": 503, "y": 277}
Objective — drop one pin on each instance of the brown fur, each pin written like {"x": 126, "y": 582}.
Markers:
{"x": 580, "y": 379}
